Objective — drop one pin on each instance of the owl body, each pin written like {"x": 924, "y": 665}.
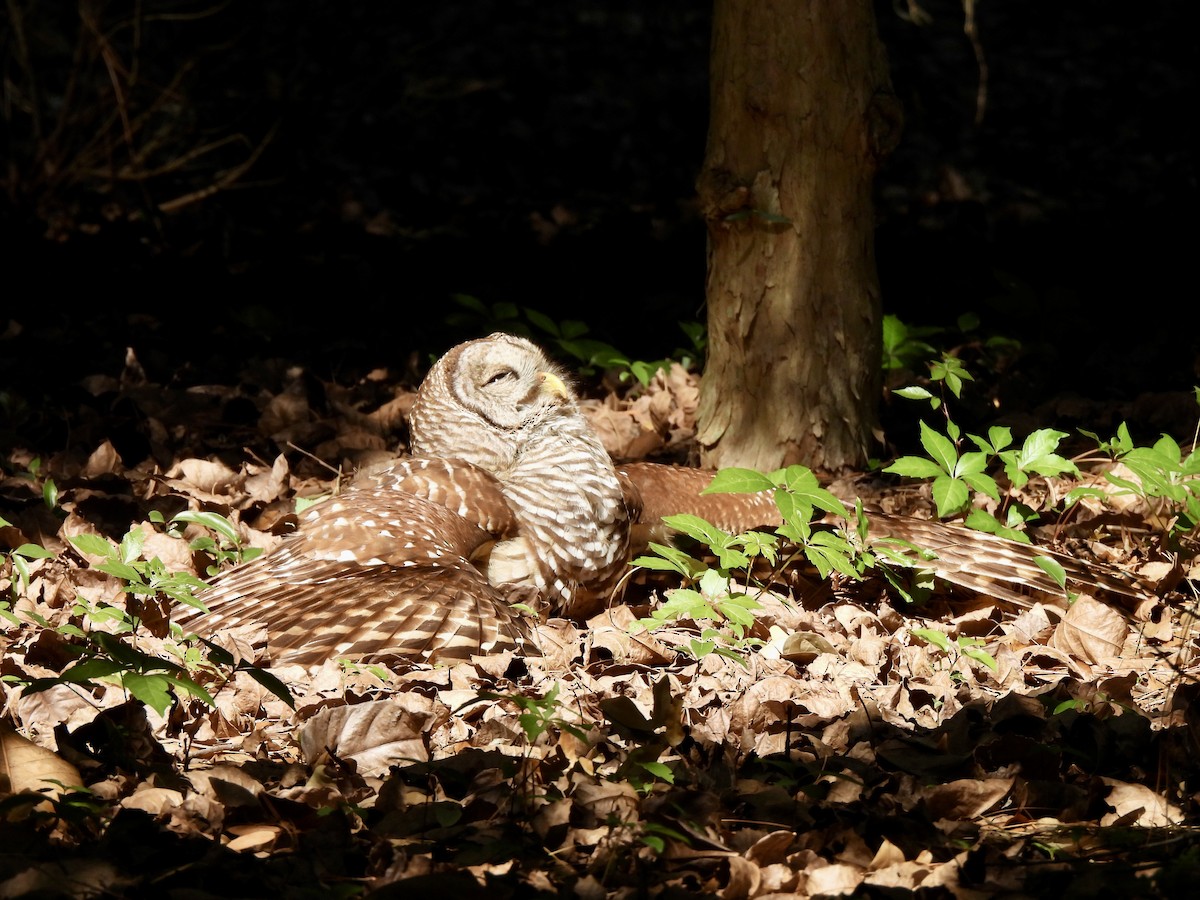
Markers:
{"x": 510, "y": 496}
{"x": 573, "y": 510}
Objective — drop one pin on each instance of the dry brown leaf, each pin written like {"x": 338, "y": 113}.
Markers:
{"x": 392, "y": 416}
{"x": 104, "y": 461}
{"x": 57, "y": 705}
{"x": 206, "y": 476}
{"x": 604, "y": 799}
{"x": 227, "y": 785}
{"x": 771, "y": 848}
{"x": 605, "y": 631}
{"x": 905, "y": 876}
{"x": 376, "y": 735}
{"x": 24, "y": 766}
{"x": 154, "y": 800}
{"x": 267, "y": 485}
{"x": 287, "y": 409}
{"x": 888, "y": 854}
{"x": 1091, "y": 630}
{"x": 779, "y": 881}
{"x": 1031, "y": 625}
{"x": 617, "y": 429}
{"x": 253, "y": 838}
{"x": 744, "y": 879}
{"x": 173, "y": 552}
{"x": 1136, "y": 804}
{"x": 833, "y": 880}
{"x": 800, "y": 647}
{"x": 557, "y": 642}
{"x": 966, "y": 798}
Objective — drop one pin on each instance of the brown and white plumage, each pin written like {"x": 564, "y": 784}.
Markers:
{"x": 573, "y": 511}
{"x": 382, "y": 569}
{"x": 511, "y": 497}
{"x": 997, "y": 567}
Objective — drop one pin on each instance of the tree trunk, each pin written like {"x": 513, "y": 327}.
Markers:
{"x": 802, "y": 114}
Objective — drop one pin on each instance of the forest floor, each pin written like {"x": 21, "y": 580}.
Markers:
{"x": 858, "y": 745}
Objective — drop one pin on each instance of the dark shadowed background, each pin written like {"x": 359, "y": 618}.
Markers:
{"x": 545, "y": 155}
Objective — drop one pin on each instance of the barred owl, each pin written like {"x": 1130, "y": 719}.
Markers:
{"x": 510, "y": 496}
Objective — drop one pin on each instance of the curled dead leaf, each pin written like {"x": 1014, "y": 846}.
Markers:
{"x": 253, "y": 838}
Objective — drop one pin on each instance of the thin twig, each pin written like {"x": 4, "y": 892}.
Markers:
{"x": 229, "y": 178}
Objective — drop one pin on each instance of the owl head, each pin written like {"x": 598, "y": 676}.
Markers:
{"x": 488, "y": 397}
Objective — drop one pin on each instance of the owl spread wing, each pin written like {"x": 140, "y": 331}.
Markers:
{"x": 973, "y": 560}
{"x": 997, "y": 567}
{"x": 383, "y": 569}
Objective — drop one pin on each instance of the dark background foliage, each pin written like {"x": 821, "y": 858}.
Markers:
{"x": 545, "y": 154}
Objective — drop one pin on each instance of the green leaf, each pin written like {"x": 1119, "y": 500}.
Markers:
{"x": 92, "y": 545}
{"x": 803, "y": 484}
{"x": 1167, "y": 446}
{"x": 211, "y": 521}
{"x": 713, "y": 584}
{"x": 1072, "y": 705}
{"x": 187, "y": 686}
{"x": 153, "y": 690}
{"x": 303, "y": 503}
{"x": 573, "y": 328}
{"x": 474, "y": 304}
{"x": 980, "y": 655}
{"x": 738, "y": 481}
{"x": 971, "y": 463}
{"x": 829, "y": 552}
{"x": 1038, "y": 454}
{"x": 35, "y": 551}
{"x": 794, "y": 508}
{"x": 950, "y": 495}
{"x": 659, "y": 770}
{"x": 759, "y": 543}
{"x": 981, "y": 521}
{"x": 697, "y": 528}
{"x": 939, "y": 448}
{"x": 128, "y": 574}
{"x": 1053, "y": 568}
{"x": 222, "y": 657}
{"x": 657, "y": 563}
{"x": 915, "y": 467}
{"x": 736, "y": 613}
{"x": 984, "y": 484}
{"x": 542, "y": 321}
{"x": 932, "y": 636}
{"x": 86, "y": 670}
{"x": 131, "y": 545}
{"x": 676, "y": 559}
{"x": 1000, "y": 436}
{"x": 644, "y": 371}
{"x": 654, "y": 842}
{"x": 505, "y": 310}
{"x": 913, "y": 393}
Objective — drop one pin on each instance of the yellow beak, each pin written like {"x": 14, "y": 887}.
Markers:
{"x": 553, "y": 385}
